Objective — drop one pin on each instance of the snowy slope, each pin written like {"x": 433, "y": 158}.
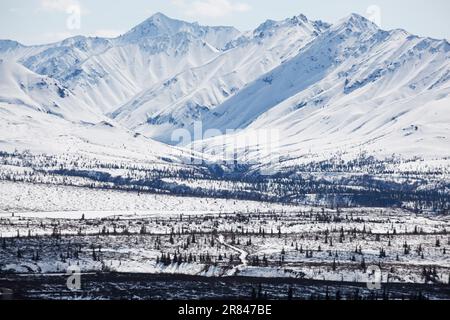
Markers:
{"x": 39, "y": 114}
{"x": 20, "y": 86}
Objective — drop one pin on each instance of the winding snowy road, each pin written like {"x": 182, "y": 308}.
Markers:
{"x": 243, "y": 255}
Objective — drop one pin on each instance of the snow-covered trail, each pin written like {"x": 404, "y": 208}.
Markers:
{"x": 243, "y": 255}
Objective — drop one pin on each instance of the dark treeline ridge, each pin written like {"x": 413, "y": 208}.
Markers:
{"x": 361, "y": 182}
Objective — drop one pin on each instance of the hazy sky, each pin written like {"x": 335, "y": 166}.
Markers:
{"x": 42, "y": 21}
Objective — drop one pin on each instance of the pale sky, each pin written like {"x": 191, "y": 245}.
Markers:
{"x": 44, "y": 21}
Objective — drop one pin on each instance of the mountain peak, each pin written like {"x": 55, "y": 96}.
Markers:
{"x": 159, "y": 15}
{"x": 358, "y": 20}
{"x": 299, "y": 22}
{"x": 271, "y": 24}
{"x": 161, "y": 19}
{"x": 301, "y": 17}
{"x": 356, "y": 23}
{"x": 157, "y": 25}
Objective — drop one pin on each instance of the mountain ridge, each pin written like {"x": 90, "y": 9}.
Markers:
{"x": 349, "y": 82}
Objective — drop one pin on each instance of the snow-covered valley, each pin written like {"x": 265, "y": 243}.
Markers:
{"x": 212, "y": 238}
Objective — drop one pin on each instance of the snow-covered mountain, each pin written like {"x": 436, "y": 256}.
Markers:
{"x": 194, "y": 93}
{"x": 339, "y": 89}
{"x": 55, "y": 98}
{"x": 39, "y": 114}
{"x": 109, "y": 72}
{"x": 354, "y": 89}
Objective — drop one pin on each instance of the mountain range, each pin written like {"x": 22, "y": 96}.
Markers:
{"x": 330, "y": 90}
